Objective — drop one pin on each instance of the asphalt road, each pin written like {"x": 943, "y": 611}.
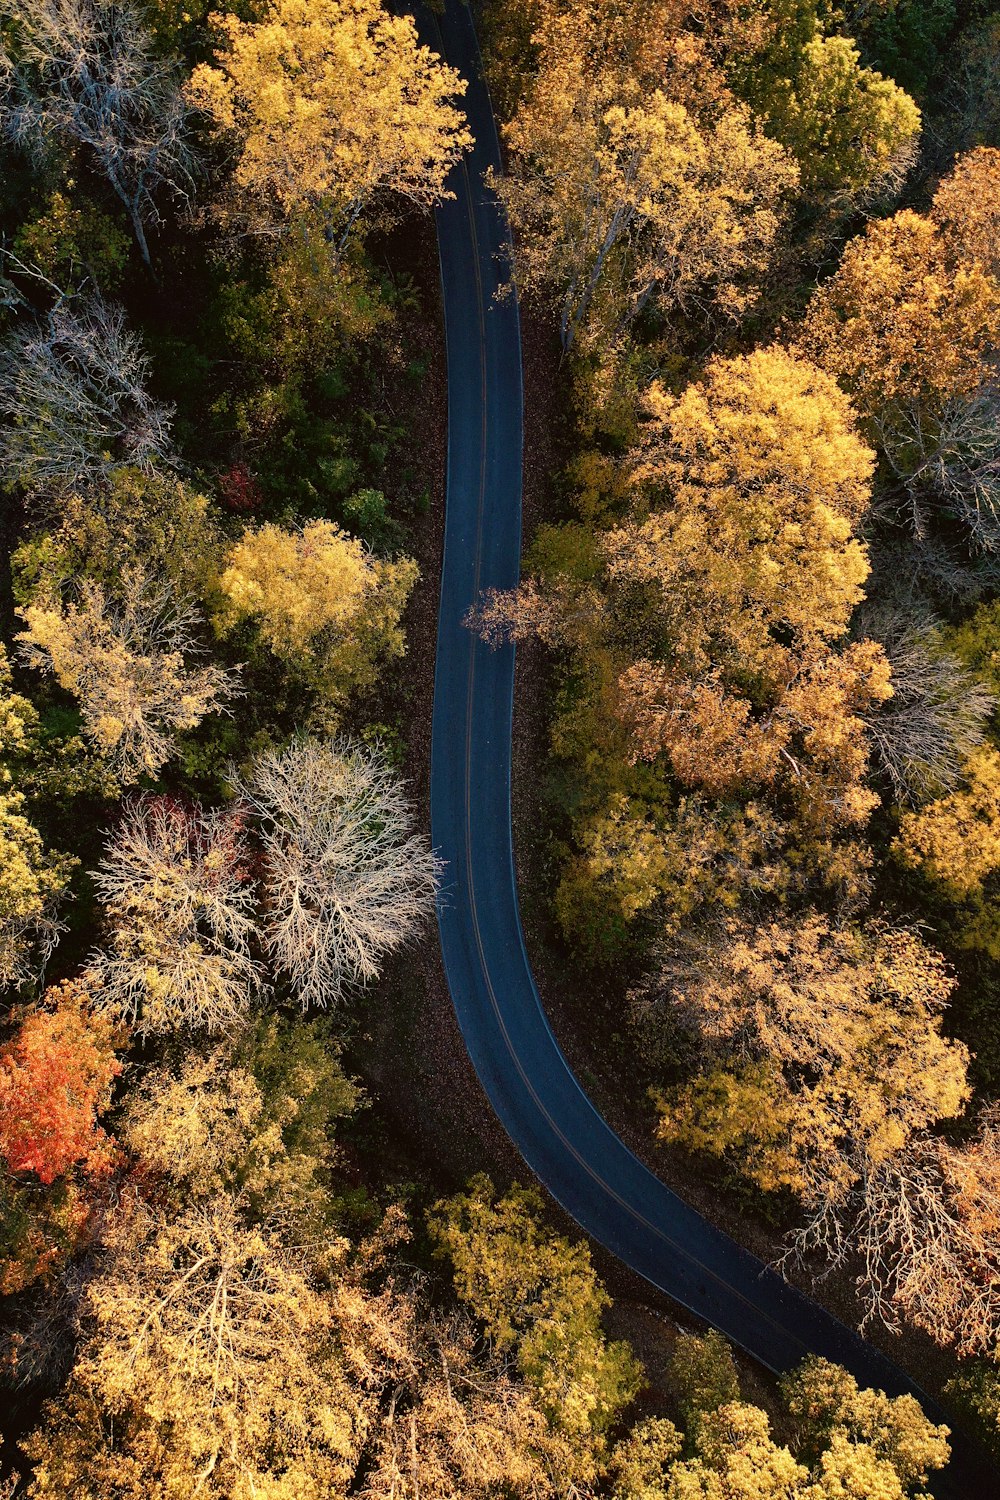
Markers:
{"x": 562, "y": 1138}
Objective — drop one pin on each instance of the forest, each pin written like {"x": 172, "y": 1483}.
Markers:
{"x": 756, "y": 249}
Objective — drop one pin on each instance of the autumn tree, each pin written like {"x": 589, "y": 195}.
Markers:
{"x": 714, "y": 712}
{"x": 73, "y": 389}
{"x": 332, "y": 107}
{"x": 320, "y": 601}
{"x": 56, "y": 1076}
{"x": 641, "y": 1461}
{"x": 832, "y": 1414}
{"x": 736, "y": 1455}
{"x": 253, "y": 1117}
{"x": 57, "y": 1071}
{"x": 956, "y": 839}
{"x": 966, "y": 208}
{"x": 748, "y": 489}
{"x": 799, "y": 1025}
{"x": 46, "y": 768}
{"x": 538, "y": 1297}
{"x": 87, "y": 73}
{"x": 733, "y": 1449}
{"x": 458, "y": 1425}
{"x": 843, "y": 1440}
{"x": 32, "y": 877}
{"x": 179, "y": 918}
{"x": 41, "y": 1228}
{"x": 851, "y": 130}
{"x": 625, "y": 200}
{"x": 923, "y": 1226}
{"x": 901, "y": 321}
{"x": 346, "y": 879}
{"x": 209, "y": 1361}
{"x": 126, "y": 658}
{"x": 910, "y": 324}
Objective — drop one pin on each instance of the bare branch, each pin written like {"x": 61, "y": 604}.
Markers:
{"x": 87, "y": 72}
{"x": 181, "y": 917}
{"x": 73, "y": 391}
{"x": 346, "y": 878}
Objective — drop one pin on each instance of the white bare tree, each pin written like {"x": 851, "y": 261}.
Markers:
{"x": 180, "y": 915}
{"x": 938, "y": 713}
{"x": 73, "y": 392}
{"x": 947, "y": 465}
{"x": 346, "y": 878}
{"x": 128, "y": 662}
{"x": 923, "y": 1227}
{"x": 86, "y": 72}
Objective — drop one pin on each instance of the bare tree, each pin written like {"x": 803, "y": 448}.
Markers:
{"x": 939, "y": 710}
{"x": 180, "y": 913}
{"x": 925, "y": 1226}
{"x": 126, "y": 660}
{"x": 73, "y": 391}
{"x": 87, "y": 72}
{"x": 346, "y": 879}
{"x": 950, "y": 466}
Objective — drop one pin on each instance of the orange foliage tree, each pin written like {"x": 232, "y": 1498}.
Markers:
{"x": 56, "y": 1076}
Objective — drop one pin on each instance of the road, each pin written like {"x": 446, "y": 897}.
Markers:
{"x": 563, "y": 1139}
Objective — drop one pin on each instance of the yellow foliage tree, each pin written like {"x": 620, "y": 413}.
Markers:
{"x": 457, "y": 1426}
{"x": 320, "y": 601}
{"x": 331, "y": 104}
{"x": 736, "y": 1456}
{"x": 910, "y": 325}
{"x": 126, "y": 660}
{"x": 900, "y": 320}
{"x": 956, "y": 840}
{"x": 880, "y": 1444}
{"x": 966, "y": 208}
{"x": 823, "y": 1049}
{"x": 211, "y": 1366}
{"x": 538, "y": 1297}
{"x": 624, "y": 198}
{"x": 748, "y": 488}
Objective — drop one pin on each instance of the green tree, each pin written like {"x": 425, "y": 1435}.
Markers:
{"x": 538, "y": 1297}
{"x": 132, "y": 519}
{"x": 253, "y": 1117}
{"x": 32, "y": 881}
{"x": 702, "y": 1375}
{"x": 850, "y": 129}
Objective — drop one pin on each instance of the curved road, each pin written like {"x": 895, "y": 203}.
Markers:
{"x": 563, "y": 1139}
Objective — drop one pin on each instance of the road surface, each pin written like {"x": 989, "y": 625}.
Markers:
{"x": 563, "y": 1139}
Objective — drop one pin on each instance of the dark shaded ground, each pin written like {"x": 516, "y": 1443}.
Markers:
{"x": 409, "y": 1050}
